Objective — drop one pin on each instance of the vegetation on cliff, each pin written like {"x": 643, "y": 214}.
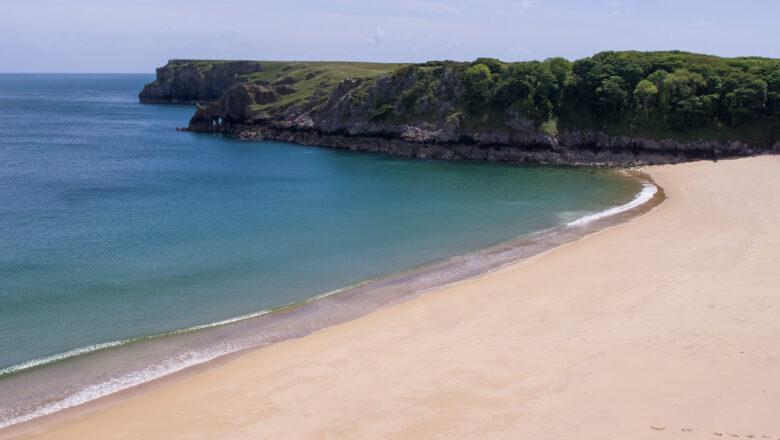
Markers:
{"x": 202, "y": 81}
{"x": 676, "y": 94}
{"x": 678, "y": 105}
{"x": 653, "y": 94}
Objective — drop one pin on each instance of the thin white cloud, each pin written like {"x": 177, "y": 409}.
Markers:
{"x": 377, "y": 38}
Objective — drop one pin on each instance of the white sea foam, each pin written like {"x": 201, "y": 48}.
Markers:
{"x": 131, "y": 379}
{"x": 647, "y": 193}
{"x": 116, "y": 384}
{"x": 43, "y": 360}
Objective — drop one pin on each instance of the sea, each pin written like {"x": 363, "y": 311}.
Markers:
{"x": 130, "y": 250}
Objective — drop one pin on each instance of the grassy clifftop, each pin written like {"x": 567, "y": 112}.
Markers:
{"x": 192, "y": 81}
{"x": 309, "y": 78}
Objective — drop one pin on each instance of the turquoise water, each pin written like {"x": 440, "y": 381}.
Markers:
{"x": 113, "y": 225}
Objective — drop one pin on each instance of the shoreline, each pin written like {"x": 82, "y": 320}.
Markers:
{"x": 570, "y": 148}
{"x": 666, "y": 324}
{"x": 495, "y": 258}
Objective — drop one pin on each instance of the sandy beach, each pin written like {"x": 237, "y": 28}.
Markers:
{"x": 667, "y": 326}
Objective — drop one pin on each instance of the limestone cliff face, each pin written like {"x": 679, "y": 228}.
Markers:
{"x": 377, "y": 116}
{"x": 192, "y": 81}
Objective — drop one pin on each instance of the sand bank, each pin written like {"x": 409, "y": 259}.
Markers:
{"x": 664, "y": 327}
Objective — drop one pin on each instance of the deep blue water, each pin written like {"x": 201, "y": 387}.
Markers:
{"x": 114, "y": 225}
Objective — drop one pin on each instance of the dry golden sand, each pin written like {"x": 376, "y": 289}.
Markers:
{"x": 668, "y": 323}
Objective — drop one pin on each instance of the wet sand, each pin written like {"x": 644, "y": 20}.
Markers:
{"x": 663, "y": 327}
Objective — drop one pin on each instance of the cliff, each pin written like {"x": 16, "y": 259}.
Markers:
{"x": 193, "y": 81}
{"x": 486, "y": 110}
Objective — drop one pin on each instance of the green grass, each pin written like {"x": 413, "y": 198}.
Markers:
{"x": 323, "y": 77}
{"x": 327, "y": 75}
{"x": 382, "y": 112}
{"x": 549, "y": 127}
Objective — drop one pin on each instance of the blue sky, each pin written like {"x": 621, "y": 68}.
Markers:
{"x": 137, "y": 36}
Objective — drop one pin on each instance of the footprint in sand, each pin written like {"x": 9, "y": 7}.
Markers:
{"x": 719, "y": 434}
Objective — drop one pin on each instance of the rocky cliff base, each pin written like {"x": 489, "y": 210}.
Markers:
{"x": 569, "y": 148}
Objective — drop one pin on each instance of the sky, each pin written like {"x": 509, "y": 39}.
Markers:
{"x": 139, "y": 35}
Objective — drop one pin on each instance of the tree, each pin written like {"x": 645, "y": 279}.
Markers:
{"x": 644, "y": 94}
{"x": 693, "y": 112}
{"x": 612, "y": 96}
{"x": 529, "y": 88}
{"x": 747, "y": 97}
{"x": 479, "y": 85}
{"x": 516, "y": 84}
{"x": 561, "y": 69}
{"x": 683, "y": 83}
{"x": 496, "y": 66}
{"x": 545, "y": 91}
{"x": 583, "y": 87}
{"x": 673, "y": 89}
{"x": 771, "y": 74}
{"x": 658, "y": 77}
{"x": 631, "y": 66}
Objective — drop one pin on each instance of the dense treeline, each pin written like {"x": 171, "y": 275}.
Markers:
{"x": 682, "y": 90}
{"x": 659, "y": 90}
